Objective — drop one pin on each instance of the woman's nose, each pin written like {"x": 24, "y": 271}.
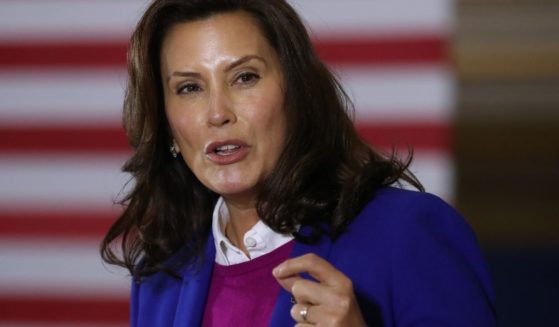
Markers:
{"x": 220, "y": 110}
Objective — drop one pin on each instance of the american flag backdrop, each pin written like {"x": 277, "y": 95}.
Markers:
{"x": 62, "y": 79}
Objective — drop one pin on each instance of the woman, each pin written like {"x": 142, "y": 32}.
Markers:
{"x": 255, "y": 202}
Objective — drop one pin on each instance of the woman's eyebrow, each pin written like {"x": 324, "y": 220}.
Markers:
{"x": 243, "y": 60}
{"x": 231, "y": 66}
{"x": 179, "y": 73}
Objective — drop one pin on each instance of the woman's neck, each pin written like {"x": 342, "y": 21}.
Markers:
{"x": 241, "y": 219}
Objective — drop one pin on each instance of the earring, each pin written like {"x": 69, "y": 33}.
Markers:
{"x": 173, "y": 151}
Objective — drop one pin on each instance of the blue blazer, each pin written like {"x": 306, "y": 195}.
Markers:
{"x": 413, "y": 261}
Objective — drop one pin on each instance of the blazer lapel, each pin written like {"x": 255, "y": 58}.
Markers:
{"x": 194, "y": 290}
{"x": 281, "y": 316}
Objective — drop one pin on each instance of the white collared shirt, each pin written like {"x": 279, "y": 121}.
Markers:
{"x": 259, "y": 240}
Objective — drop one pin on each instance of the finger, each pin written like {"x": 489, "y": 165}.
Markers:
{"x": 303, "y": 325}
{"x": 312, "y": 264}
{"x": 288, "y": 282}
{"x": 297, "y": 312}
{"x": 307, "y": 291}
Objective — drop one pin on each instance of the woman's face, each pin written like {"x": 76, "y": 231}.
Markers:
{"x": 223, "y": 90}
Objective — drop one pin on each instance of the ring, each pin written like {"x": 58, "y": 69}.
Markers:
{"x": 304, "y": 311}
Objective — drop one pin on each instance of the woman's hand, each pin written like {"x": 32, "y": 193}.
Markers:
{"x": 328, "y": 302}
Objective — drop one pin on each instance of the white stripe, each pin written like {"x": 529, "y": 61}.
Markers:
{"x": 52, "y": 97}
{"x": 404, "y": 94}
{"x": 93, "y": 182}
{"x": 39, "y": 21}
{"x": 407, "y": 93}
{"x": 435, "y": 170}
{"x": 45, "y": 268}
{"x": 36, "y": 20}
{"x": 374, "y": 17}
{"x": 60, "y": 182}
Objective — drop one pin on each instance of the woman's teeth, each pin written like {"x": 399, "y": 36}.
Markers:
{"x": 226, "y": 149}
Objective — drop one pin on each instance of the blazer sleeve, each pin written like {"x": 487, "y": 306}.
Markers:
{"x": 134, "y": 298}
{"x": 439, "y": 277}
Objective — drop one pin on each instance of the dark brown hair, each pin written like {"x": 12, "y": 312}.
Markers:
{"x": 323, "y": 178}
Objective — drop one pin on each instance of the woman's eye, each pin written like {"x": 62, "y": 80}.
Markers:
{"x": 245, "y": 78}
{"x": 188, "y": 88}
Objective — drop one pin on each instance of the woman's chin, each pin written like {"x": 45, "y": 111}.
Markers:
{"x": 234, "y": 190}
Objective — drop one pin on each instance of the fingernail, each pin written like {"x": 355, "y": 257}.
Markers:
{"x": 276, "y": 271}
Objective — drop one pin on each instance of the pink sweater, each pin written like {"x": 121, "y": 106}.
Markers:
{"x": 245, "y": 294}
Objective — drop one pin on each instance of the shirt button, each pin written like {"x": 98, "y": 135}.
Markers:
{"x": 250, "y": 242}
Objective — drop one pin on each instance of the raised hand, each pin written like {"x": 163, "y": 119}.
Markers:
{"x": 329, "y": 301}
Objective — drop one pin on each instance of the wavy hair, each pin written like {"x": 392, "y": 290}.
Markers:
{"x": 323, "y": 178}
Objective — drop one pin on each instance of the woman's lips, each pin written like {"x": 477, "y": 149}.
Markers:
{"x": 226, "y": 152}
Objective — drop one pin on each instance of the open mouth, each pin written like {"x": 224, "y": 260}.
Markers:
{"x": 226, "y": 150}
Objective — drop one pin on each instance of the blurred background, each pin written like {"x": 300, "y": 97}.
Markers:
{"x": 506, "y": 148}
{"x": 472, "y": 85}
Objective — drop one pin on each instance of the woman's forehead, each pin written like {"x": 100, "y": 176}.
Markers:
{"x": 214, "y": 41}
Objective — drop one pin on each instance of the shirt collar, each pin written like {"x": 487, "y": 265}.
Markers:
{"x": 258, "y": 240}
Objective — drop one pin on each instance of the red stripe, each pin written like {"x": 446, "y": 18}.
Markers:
{"x": 68, "y": 311}
{"x": 62, "y": 55}
{"x": 112, "y": 139}
{"x": 431, "y": 137}
{"x": 55, "y": 225}
{"x": 48, "y": 139}
{"x": 74, "y": 54}
{"x": 387, "y": 51}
